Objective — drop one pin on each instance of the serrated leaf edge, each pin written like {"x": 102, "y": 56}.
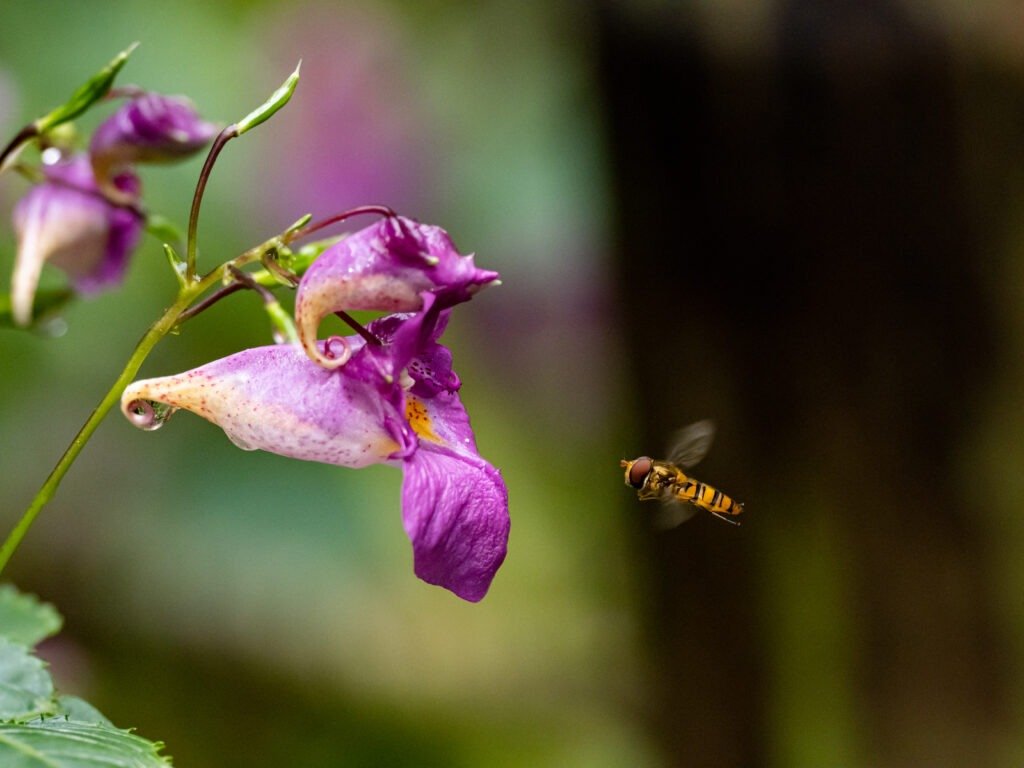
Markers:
{"x": 37, "y": 605}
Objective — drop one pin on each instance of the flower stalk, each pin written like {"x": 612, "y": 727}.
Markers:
{"x": 197, "y": 199}
{"x": 258, "y": 116}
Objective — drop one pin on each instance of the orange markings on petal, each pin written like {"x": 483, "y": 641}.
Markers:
{"x": 419, "y": 419}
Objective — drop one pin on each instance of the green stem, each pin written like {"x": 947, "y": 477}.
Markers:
{"x": 171, "y": 317}
{"x": 223, "y": 138}
{"x": 20, "y": 139}
{"x": 145, "y": 345}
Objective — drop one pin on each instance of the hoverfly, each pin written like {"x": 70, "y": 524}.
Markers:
{"x": 680, "y": 494}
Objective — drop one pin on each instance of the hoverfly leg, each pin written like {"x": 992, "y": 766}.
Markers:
{"x": 720, "y": 516}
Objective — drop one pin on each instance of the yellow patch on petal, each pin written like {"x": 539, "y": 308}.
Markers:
{"x": 419, "y": 419}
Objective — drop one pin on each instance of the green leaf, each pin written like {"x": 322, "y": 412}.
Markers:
{"x": 178, "y": 265}
{"x": 41, "y": 730}
{"x": 163, "y": 229}
{"x": 26, "y": 690}
{"x": 91, "y": 91}
{"x": 278, "y": 99}
{"x": 74, "y": 708}
{"x": 60, "y": 743}
{"x": 299, "y": 224}
{"x": 303, "y": 258}
{"x": 25, "y": 620}
{"x": 45, "y": 303}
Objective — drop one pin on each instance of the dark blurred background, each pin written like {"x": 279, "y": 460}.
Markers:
{"x": 800, "y": 218}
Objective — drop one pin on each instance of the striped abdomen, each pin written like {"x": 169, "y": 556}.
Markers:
{"x": 705, "y": 496}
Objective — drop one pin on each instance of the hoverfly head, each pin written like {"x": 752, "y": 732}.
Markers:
{"x": 637, "y": 470}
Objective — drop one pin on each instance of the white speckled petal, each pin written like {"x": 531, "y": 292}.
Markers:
{"x": 276, "y": 399}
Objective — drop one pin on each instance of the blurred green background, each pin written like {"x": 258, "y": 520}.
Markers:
{"x": 801, "y": 218}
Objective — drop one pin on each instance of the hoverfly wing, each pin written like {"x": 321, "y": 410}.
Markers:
{"x": 691, "y": 443}
{"x": 671, "y": 513}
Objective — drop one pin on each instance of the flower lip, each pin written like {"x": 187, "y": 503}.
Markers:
{"x": 455, "y": 512}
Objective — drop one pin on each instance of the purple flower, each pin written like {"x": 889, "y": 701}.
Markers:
{"x": 454, "y": 504}
{"x": 66, "y": 221}
{"x": 149, "y": 128}
{"x": 385, "y": 267}
{"x": 393, "y": 402}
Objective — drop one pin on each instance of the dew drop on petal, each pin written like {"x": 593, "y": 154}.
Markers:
{"x": 148, "y": 414}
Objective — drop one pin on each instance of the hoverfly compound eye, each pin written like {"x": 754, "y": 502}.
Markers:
{"x": 639, "y": 471}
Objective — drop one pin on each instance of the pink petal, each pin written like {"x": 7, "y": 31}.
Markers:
{"x": 455, "y": 511}
{"x": 66, "y": 222}
{"x": 385, "y": 267}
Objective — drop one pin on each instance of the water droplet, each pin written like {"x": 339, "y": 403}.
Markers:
{"x": 50, "y": 156}
{"x": 149, "y": 414}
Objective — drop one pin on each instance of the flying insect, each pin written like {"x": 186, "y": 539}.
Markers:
{"x": 680, "y": 494}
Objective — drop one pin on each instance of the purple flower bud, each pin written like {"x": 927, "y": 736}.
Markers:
{"x": 386, "y": 267}
{"x": 454, "y": 504}
{"x": 150, "y": 128}
{"x": 66, "y": 221}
